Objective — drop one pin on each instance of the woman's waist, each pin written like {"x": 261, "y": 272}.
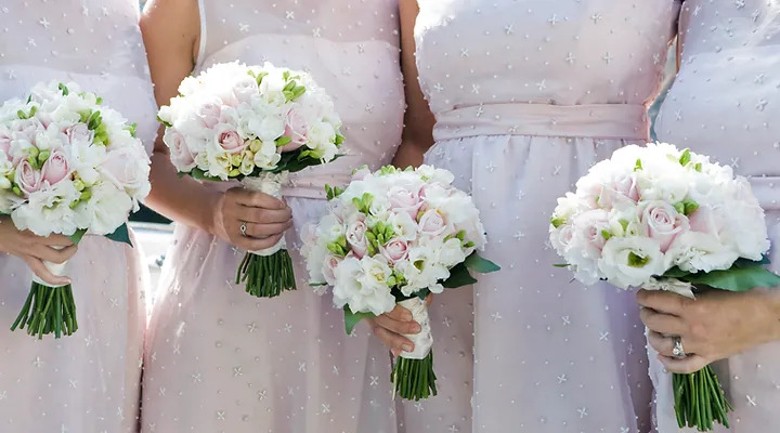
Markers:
{"x": 605, "y": 121}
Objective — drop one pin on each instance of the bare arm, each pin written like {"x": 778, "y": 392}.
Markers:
{"x": 171, "y": 31}
{"x": 418, "y": 119}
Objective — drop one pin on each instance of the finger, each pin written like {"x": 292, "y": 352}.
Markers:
{"x": 400, "y": 313}
{"x": 54, "y": 255}
{"x": 396, "y": 343}
{"x": 262, "y": 231}
{"x": 263, "y": 216}
{"x": 663, "y": 345}
{"x": 397, "y": 326}
{"x": 689, "y": 364}
{"x": 252, "y": 244}
{"x": 429, "y": 300}
{"x": 256, "y": 199}
{"x": 661, "y": 301}
{"x": 57, "y": 241}
{"x": 38, "y": 268}
{"x": 662, "y": 323}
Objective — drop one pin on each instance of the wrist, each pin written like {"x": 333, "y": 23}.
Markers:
{"x": 771, "y": 299}
{"x": 210, "y": 220}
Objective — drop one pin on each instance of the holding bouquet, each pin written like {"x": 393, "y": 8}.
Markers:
{"x": 395, "y": 237}
{"x": 659, "y": 218}
{"x": 256, "y": 125}
{"x": 68, "y": 166}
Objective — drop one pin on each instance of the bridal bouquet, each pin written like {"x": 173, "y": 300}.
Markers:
{"x": 68, "y": 166}
{"x": 255, "y": 125}
{"x": 395, "y": 236}
{"x": 660, "y": 218}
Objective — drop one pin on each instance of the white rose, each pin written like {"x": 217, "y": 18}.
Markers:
{"x": 84, "y": 159}
{"x": 403, "y": 225}
{"x": 358, "y": 285}
{"x": 267, "y": 157}
{"x": 631, "y": 261}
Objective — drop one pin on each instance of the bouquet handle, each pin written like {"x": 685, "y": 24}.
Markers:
{"x": 267, "y": 273}
{"x": 413, "y": 376}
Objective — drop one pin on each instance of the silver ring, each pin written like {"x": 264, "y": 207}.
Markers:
{"x": 678, "y": 350}
{"x": 242, "y": 228}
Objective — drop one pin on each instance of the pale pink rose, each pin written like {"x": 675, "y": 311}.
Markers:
{"x": 297, "y": 129}
{"x": 356, "y": 238}
{"x": 329, "y": 269}
{"x": 404, "y": 200}
{"x": 79, "y": 133}
{"x": 181, "y": 156}
{"x": 589, "y": 230}
{"x": 395, "y": 251}
{"x": 611, "y": 194}
{"x": 660, "y": 221}
{"x": 28, "y": 179}
{"x": 432, "y": 223}
{"x": 128, "y": 168}
{"x": 56, "y": 168}
{"x": 231, "y": 142}
{"x": 209, "y": 114}
{"x": 704, "y": 220}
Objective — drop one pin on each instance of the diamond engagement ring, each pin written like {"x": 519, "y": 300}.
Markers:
{"x": 678, "y": 350}
{"x": 242, "y": 228}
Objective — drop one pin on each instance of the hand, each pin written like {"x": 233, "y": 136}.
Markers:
{"x": 266, "y": 219}
{"x": 716, "y": 325}
{"x": 391, "y": 328}
{"x": 34, "y": 250}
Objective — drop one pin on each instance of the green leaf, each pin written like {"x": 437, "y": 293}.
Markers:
{"x": 76, "y": 237}
{"x": 737, "y": 279}
{"x": 459, "y": 277}
{"x": 352, "y": 319}
{"x": 478, "y": 264}
{"x": 121, "y": 234}
{"x": 64, "y": 89}
{"x": 675, "y": 272}
{"x": 561, "y": 265}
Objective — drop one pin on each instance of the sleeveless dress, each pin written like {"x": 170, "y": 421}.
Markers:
{"x": 219, "y": 360}
{"x": 725, "y": 103}
{"x": 527, "y": 95}
{"x": 90, "y": 381}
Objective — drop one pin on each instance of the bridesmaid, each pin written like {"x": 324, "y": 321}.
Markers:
{"x": 88, "y": 382}
{"x": 547, "y": 89}
{"x": 725, "y": 103}
{"x": 217, "y": 359}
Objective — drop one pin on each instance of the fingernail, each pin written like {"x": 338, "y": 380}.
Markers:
{"x": 408, "y": 347}
{"x": 416, "y": 328}
{"x": 406, "y": 316}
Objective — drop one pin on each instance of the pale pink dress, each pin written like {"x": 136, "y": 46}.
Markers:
{"x": 726, "y": 103}
{"x": 528, "y": 94}
{"x": 88, "y": 382}
{"x": 219, "y": 360}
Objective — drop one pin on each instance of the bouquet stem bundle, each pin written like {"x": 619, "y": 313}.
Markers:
{"x": 699, "y": 400}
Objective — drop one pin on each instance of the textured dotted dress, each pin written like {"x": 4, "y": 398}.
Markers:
{"x": 88, "y": 382}
{"x": 218, "y": 360}
{"x": 528, "y": 94}
{"x": 726, "y": 103}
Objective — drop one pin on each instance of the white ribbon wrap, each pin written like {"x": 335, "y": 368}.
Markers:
{"x": 271, "y": 184}
{"x": 57, "y": 269}
{"x": 424, "y": 340}
{"x": 671, "y": 285}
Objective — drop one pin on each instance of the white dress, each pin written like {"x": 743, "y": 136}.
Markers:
{"x": 527, "y": 95}
{"x": 725, "y": 103}
{"x": 219, "y": 360}
{"x": 88, "y": 382}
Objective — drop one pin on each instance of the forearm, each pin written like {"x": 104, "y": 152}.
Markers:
{"x": 772, "y": 299}
{"x": 180, "y": 198}
{"x": 409, "y": 154}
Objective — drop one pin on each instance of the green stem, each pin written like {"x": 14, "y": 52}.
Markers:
{"x": 266, "y": 276}
{"x": 414, "y": 379}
